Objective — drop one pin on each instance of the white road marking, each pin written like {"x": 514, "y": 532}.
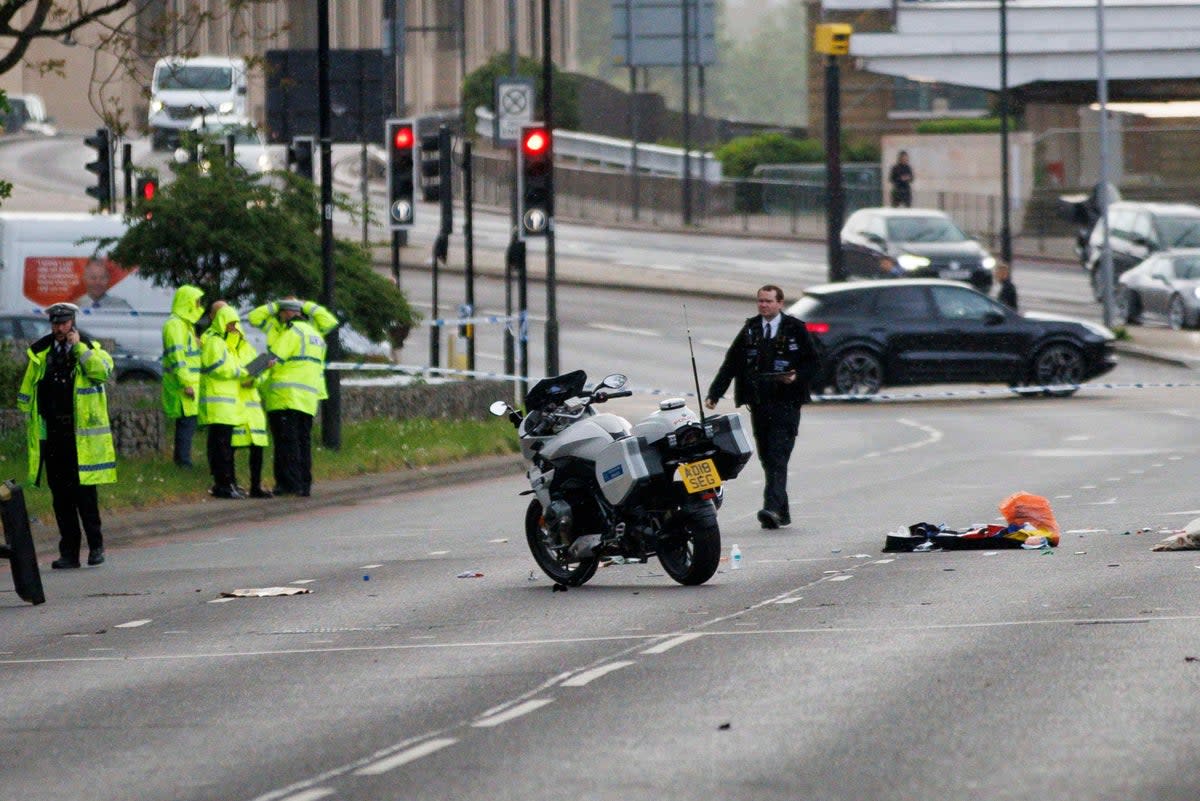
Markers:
{"x": 368, "y": 567}
{"x": 933, "y": 436}
{"x": 667, "y": 645}
{"x": 1185, "y": 512}
{"x": 220, "y": 600}
{"x": 789, "y": 600}
{"x": 404, "y": 757}
{"x": 1109, "y": 502}
{"x": 303, "y": 581}
{"x": 511, "y": 713}
{"x": 132, "y": 624}
{"x": 441, "y": 553}
{"x": 621, "y": 329}
{"x": 588, "y": 676}
{"x": 841, "y": 578}
{"x": 505, "y": 539}
{"x": 102, "y": 649}
{"x": 316, "y": 792}
{"x": 877, "y": 561}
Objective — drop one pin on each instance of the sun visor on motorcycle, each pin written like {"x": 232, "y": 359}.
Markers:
{"x": 556, "y": 389}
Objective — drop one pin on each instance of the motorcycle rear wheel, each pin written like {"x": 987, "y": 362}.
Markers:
{"x": 553, "y": 562}
{"x": 691, "y": 554}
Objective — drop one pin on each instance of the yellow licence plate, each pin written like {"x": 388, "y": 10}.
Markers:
{"x": 700, "y": 476}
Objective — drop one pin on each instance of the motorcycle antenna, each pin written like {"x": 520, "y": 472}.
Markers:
{"x": 695, "y": 375}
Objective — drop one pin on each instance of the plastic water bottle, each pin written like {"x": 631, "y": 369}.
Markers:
{"x": 735, "y": 558}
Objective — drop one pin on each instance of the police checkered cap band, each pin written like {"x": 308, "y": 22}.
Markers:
{"x": 291, "y": 305}
{"x": 61, "y": 312}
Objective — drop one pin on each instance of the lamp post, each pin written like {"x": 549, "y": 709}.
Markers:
{"x": 1106, "y": 265}
{"x": 1005, "y": 200}
{"x": 833, "y": 39}
{"x": 331, "y": 409}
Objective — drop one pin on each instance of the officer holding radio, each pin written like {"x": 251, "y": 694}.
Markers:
{"x": 771, "y": 364}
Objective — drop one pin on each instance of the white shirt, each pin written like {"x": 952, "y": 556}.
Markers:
{"x": 772, "y": 324}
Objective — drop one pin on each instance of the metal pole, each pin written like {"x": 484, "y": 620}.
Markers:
{"x": 548, "y": 118}
{"x": 1106, "y": 265}
{"x": 685, "y": 36}
{"x": 331, "y": 409}
{"x": 510, "y": 358}
{"x": 834, "y": 192}
{"x": 127, "y": 170}
{"x": 468, "y": 179}
{"x": 1005, "y": 199}
{"x": 633, "y": 108}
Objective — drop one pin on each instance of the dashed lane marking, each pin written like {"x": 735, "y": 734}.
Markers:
{"x": 588, "y": 676}
{"x": 309, "y": 795}
{"x": 491, "y": 721}
{"x": 132, "y": 624}
{"x": 404, "y": 757}
{"x": 667, "y": 645}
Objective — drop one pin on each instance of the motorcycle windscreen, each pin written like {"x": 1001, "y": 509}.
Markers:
{"x": 22, "y": 556}
{"x": 556, "y": 389}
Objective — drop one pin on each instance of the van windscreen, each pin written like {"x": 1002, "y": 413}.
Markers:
{"x": 195, "y": 78}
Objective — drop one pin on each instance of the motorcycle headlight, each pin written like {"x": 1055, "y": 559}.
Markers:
{"x": 908, "y": 261}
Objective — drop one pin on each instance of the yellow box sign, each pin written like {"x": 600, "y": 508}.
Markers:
{"x": 833, "y": 38}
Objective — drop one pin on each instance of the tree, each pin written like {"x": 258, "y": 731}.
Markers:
{"x": 479, "y": 89}
{"x": 5, "y": 186}
{"x": 248, "y": 239}
{"x": 127, "y": 31}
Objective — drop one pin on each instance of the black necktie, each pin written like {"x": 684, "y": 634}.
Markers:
{"x": 766, "y": 330}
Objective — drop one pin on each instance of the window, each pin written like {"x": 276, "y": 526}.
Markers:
{"x": 1143, "y": 228}
{"x": 961, "y": 304}
{"x": 1188, "y": 268}
{"x": 930, "y": 99}
{"x": 902, "y": 303}
{"x": 923, "y": 229}
{"x": 1179, "y": 232}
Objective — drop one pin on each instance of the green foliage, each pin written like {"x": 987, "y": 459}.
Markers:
{"x": 5, "y": 186}
{"x": 12, "y": 369}
{"x": 764, "y": 75}
{"x": 479, "y": 89}
{"x": 979, "y": 125}
{"x": 861, "y": 152}
{"x": 248, "y": 239}
{"x": 740, "y": 156}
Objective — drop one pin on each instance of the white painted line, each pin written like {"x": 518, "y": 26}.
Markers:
{"x": 1184, "y": 512}
{"x": 513, "y": 712}
{"x": 316, "y": 792}
{"x": 841, "y": 578}
{"x": 109, "y": 649}
{"x": 667, "y": 645}
{"x": 588, "y": 676}
{"x": 404, "y": 757}
{"x": 877, "y": 561}
{"x": 303, "y": 581}
{"x": 1109, "y": 502}
{"x": 622, "y": 329}
{"x": 505, "y": 539}
{"x": 789, "y": 600}
{"x": 368, "y": 567}
{"x": 133, "y": 624}
{"x": 227, "y": 600}
{"x": 443, "y": 553}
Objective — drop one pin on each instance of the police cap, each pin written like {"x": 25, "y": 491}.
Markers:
{"x": 62, "y": 312}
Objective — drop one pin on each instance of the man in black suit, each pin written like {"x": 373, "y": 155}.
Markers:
{"x": 771, "y": 363}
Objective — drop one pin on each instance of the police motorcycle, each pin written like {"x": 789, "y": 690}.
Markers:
{"x": 605, "y": 489}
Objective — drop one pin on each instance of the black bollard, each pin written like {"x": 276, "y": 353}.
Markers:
{"x": 18, "y": 544}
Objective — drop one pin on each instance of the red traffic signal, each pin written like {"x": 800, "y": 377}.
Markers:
{"x": 147, "y": 188}
{"x": 535, "y": 141}
{"x": 403, "y": 137}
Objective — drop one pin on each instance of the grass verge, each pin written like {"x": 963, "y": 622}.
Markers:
{"x": 373, "y": 446}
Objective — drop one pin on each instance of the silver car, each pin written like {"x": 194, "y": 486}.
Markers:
{"x": 1166, "y": 286}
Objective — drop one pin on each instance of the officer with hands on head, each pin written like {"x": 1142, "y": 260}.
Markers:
{"x": 251, "y": 432}
{"x": 181, "y": 368}
{"x": 295, "y": 385}
{"x": 221, "y": 377}
{"x": 68, "y": 432}
{"x": 771, "y": 364}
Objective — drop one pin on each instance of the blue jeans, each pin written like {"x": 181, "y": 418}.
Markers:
{"x": 185, "y": 428}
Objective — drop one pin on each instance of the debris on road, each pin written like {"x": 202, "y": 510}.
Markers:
{"x": 471, "y": 574}
{"x": 1186, "y": 539}
{"x": 1030, "y": 520}
{"x": 265, "y": 592}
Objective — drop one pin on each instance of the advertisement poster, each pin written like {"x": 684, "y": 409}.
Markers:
{"x": 90, "y": 283}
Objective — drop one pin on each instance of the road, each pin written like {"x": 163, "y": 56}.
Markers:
{"x": 824, "y": 668}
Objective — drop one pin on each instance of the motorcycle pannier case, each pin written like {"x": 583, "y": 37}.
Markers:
{"x": 624, "y": 467}
{"x": 733, "y": 445}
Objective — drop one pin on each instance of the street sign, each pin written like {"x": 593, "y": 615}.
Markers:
{"x": 514, "y": 104}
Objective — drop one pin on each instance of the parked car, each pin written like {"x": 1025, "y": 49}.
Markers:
{"x": 913, "y": 243}
{"x": 1137, "y": 230}
{"x": 1165, "y": 286}
{"x": 27, "y": 328}
{"x": 928, "y": 331}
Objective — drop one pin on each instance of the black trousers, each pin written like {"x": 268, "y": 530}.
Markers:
{"x": 256, "y": 465}
{"x": 185, "y": 428}
{"x": 220, "y": 455}
{"x": 775, "y": 426}
{"x": 291, "y": 433}
{"x": 73, "y": 502}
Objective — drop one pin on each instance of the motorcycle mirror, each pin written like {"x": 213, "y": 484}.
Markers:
{"x": 499, "y": 408}
{"x": 613, "y": 381}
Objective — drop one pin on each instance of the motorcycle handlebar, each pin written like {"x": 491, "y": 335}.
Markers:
{"x": 601, "y": 397}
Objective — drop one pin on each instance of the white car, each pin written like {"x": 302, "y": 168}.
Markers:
{"x": 250, "y": 149}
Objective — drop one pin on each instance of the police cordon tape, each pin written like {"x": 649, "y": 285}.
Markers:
{"x": 1048, "y": 389}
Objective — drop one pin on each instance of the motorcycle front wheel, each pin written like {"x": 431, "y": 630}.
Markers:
{"x": 690, "y": 554}
{"x": 553, "y": 561}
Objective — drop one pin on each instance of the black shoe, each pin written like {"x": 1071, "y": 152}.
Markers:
{"x": 785, "y": 520}
{"x": 303, "y": 493}
{"x": 259, "y": 492}
{"x": 96, "y": 556}
{"x": 769, "y": 519}
{"x": 64, "y": 564}
{"x": 228, "y": 492}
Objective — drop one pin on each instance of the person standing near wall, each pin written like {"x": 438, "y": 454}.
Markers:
{"x": 251, "y": 432}
{"x": 221, "y": 376}
{"x": 68, "y": 433}
{"x": 181, "y": 368}
{"x": 901, "y": 178}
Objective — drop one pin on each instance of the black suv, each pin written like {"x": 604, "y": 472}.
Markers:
{"x": 925, "y": 331}
{"x": 1136, "y": 230}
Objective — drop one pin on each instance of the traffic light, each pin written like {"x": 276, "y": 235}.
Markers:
{"x": 535, "y": 180}
{"x": 402, "y": 177}
{"x": 147, "y": 188}
{"x": 431, "y": 165}
{"x": 101, "y": 142}
{"x": 301, "y": 154}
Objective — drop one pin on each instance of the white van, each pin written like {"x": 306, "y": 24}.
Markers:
{"x": 183, "y": 88}
{"x": 45, "y": 259}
